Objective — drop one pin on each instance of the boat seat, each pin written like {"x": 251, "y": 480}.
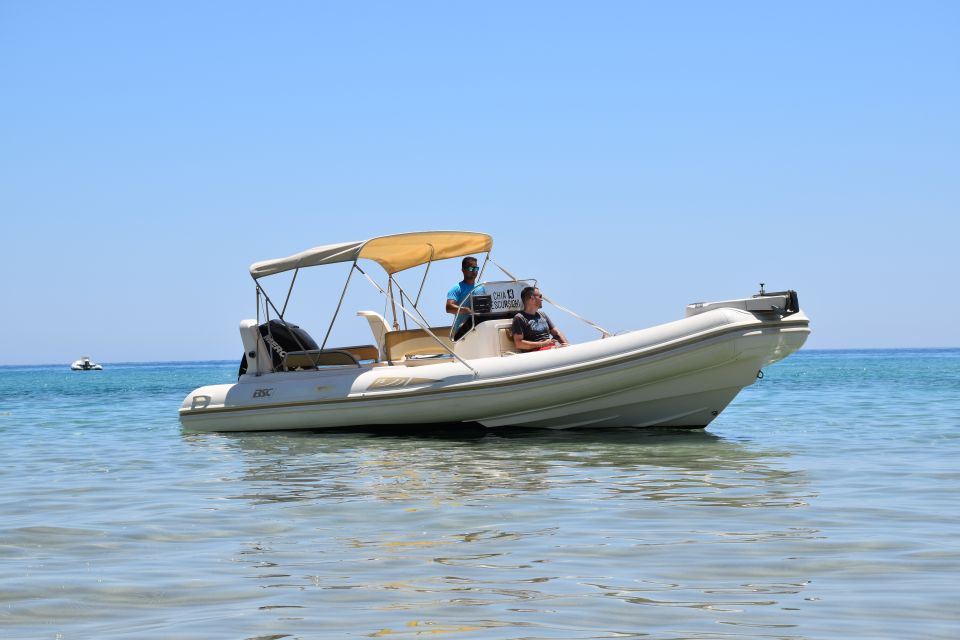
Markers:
{"x": 505, "y": 341}
{"x": 379, "y": 327}
{"x": 416, "y": 342}
{"x": 362, "y": 352}
{"x": 329, "y": 357}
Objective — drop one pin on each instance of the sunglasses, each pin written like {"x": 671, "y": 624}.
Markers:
{"x": 471, "y": 268}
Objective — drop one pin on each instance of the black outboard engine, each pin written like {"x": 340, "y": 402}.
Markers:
{"x": 281, "y": 337}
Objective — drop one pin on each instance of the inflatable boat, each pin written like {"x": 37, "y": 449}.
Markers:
{"x": 85, "y": 364}
{"x": 679, "y": 374}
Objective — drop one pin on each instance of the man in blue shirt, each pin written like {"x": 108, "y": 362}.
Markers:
{"x": 459, "y": 300}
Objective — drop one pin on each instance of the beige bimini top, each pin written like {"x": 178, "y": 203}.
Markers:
{"x": 393, "y": 253}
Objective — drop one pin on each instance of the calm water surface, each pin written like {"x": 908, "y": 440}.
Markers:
{"x": 823, "y": 503}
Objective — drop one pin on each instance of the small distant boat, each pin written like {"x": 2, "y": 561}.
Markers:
{"x": 85, "y": 364}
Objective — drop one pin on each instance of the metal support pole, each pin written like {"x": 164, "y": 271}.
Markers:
{"x": 289, "y": 291}
{"x": 344, "y": 293}
{"x": 393, "y": 303}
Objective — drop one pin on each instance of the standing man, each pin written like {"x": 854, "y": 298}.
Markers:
{"x": 532, "y": 329}
{"x": 459, "y": 299}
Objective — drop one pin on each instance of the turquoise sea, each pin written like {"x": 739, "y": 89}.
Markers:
{"x": 823, "y": 503}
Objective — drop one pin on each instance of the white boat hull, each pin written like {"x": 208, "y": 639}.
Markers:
{"x": 681, "y": 374}
{"x": 85, "y": 365}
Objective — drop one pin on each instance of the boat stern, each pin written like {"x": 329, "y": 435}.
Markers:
{"x": 203, "y": 401}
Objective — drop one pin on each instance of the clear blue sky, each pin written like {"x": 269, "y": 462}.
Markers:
{"x": 633, "y": 156}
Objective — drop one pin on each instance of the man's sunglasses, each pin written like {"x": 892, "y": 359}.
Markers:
{"x": 471, "y": 268}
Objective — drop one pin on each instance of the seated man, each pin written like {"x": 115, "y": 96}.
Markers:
{"x": 532, "y": 329}
{"x": 459, "y": 300}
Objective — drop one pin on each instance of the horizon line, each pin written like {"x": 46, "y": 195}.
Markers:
{"x": 222, "y": 360}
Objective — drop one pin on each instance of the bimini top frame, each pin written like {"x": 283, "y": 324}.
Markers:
{"x": 394, "y": 253}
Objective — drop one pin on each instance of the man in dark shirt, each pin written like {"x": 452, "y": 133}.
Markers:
{"x": 532, "y": 329}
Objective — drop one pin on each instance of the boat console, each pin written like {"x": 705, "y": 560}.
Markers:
{"x": 499, "y": 301}
{"x": 481, "y": 314}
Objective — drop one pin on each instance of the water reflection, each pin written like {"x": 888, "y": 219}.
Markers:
{"x": 670, "y": 466}
{"x": 533, "y": 534}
